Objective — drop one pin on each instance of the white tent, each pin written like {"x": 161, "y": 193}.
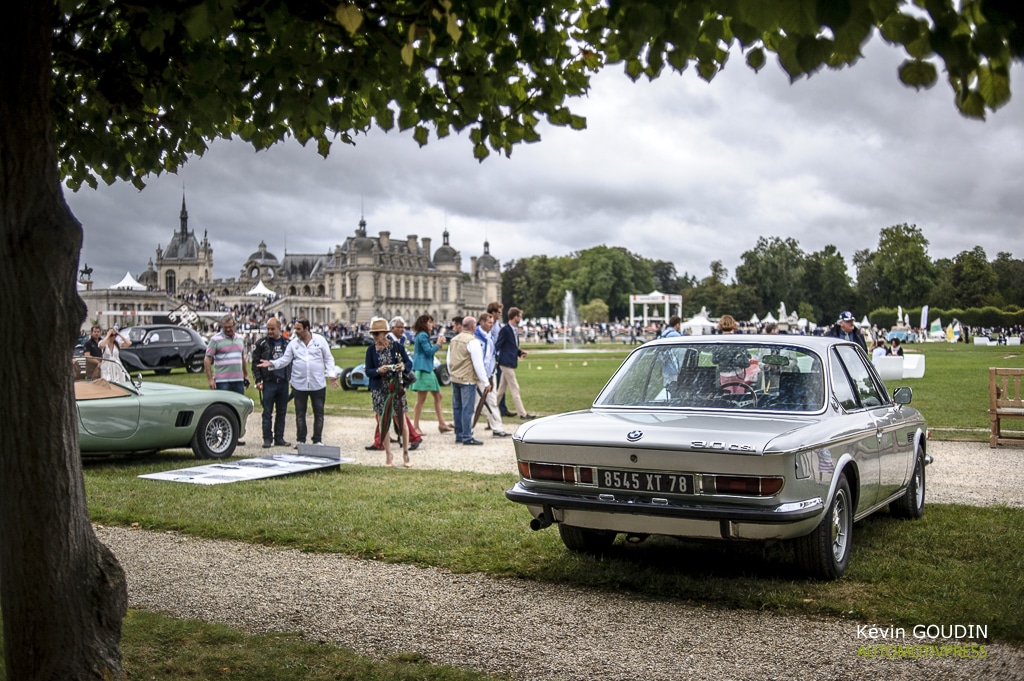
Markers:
{"x": 697, "y": 326}
{"x": 260, "y": 289}
{"x": 770, "y": 319}
{"x": 864, "y": 323}
{"x": 754, "y": 319}
{"x": 129, "y": 282}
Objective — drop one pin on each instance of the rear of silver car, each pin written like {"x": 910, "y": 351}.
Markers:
{"x": 735, "y": 438}
{"x": 672, "y": 479}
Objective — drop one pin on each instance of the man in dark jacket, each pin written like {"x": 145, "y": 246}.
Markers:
{"x": 272, "y": 383}
{"x": 508, "y": 354}
{"x": 846, "y": 328}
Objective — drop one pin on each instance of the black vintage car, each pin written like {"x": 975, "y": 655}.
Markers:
{"x": 356, "y": 340}
{"x": 163, "y": 347}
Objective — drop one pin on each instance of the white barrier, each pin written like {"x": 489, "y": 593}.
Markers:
{"x": 913, "y": 366}
{"x": 981, "y": 340}
{"x": 889, "y": 368}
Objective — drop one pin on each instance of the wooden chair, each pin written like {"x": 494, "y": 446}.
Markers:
{"x": 1005, "y": 402}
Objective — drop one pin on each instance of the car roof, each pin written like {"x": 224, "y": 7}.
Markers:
{"x": 158, "y": 327}
{"x": 817, "y": 343}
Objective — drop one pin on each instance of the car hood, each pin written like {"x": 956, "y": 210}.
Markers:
{"x": 154, "y": 389}
{"x": 688, "y": 431}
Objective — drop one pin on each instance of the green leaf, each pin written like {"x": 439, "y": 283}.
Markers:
{"x": 197, "y": 23}
{"x": 480, "y": 152}
{"x": 421, "y": 135}
{"x": 560, "y": 116}
{"x": 323, "y": 147}
{"x": 918, "y": 74}
{"x": 994, "y": 85}
{"x": 707, "y": 70}
{"x": 454, "y": 30}
{"x": 152, "y": 39}
{"x": 901, "y": 29}
{"x": 972, "y": 106}
{"x": 756, "y": 58}
{"x": 744, "y": 32}
{"x": 833, "y": 13}
{"x": 811, "y": 53}
{"x": 634, "y": 69}
{"x": 349, "y": 16}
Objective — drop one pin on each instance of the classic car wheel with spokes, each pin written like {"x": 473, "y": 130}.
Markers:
{"x": 585, "y": 540}
{"x": 346, "y": 380}
{"x": 911, "y": 505}
{"x": 825, "y": 552}
{"x": 217, "y": 433}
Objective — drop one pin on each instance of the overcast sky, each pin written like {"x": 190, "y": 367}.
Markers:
{"x": 678, "y": 170}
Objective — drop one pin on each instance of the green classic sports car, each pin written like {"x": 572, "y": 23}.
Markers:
{"x": 117, "y": 414}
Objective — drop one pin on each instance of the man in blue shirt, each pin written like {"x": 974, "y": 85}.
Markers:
{"x": 672, "y": 328}
{"x": 483, "y": 332}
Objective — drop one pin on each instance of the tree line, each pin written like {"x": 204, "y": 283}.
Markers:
{"x": 818, "y": 285}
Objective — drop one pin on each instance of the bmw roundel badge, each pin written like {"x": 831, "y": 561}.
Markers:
{"x": 634, "y": 435}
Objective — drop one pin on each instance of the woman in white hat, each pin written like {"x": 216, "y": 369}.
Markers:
{"x": 385, "y": 363}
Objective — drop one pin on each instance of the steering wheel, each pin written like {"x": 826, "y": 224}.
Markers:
{"x": 724, "y": 393}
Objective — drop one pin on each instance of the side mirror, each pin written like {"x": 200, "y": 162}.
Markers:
{"x": 902, "y": 395}
{"x": 137, "y": 381}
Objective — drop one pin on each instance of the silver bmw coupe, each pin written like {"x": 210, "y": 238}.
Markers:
{"x": 731, "y": 437}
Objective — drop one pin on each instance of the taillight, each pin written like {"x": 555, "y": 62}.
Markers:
{"x": 745, "y": 485}
{"x": 553, "y": 471}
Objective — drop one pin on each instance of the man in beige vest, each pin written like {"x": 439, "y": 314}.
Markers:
{"x": 466, "y": 367}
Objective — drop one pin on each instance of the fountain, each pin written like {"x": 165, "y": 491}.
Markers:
{"x": 570, "y": 319}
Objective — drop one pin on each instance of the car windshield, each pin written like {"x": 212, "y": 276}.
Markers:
{"x": 754, "y": 375}
{"x": 97, "y": 378}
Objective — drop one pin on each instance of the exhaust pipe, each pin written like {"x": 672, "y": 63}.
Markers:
{"x": 543, "y": 520}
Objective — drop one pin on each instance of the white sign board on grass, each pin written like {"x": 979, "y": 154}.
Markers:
{"x": 308, "y": 459}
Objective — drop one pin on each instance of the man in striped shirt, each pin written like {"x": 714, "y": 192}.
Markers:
{"x": 225, "y": 359}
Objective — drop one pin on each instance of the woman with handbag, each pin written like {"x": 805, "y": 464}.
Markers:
{"x": 423, "y": 365}
{"x": 386, "y": 362}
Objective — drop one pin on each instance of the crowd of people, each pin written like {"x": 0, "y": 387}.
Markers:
{"x": 482, "y": 354}
{"x": 293, "y": 362}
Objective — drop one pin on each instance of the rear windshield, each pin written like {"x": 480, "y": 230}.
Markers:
{"x": 761, "y": 376}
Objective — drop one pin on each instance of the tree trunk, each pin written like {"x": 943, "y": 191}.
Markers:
{"x": 63, "y": 593}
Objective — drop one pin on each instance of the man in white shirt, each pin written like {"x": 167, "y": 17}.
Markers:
{"x": 312, "y": 363}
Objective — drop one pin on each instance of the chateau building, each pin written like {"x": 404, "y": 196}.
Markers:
{"x": 362, "y": 277}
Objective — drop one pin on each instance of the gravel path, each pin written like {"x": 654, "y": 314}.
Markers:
{"x": 532, "y": 630}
